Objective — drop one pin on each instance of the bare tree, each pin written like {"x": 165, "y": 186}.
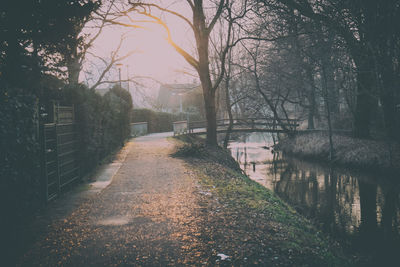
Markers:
{"x": 86, "y": 34}
{"x": 114, "y": 59}
{"x": 366, "y": 28}
{"x": 201, "y": 24}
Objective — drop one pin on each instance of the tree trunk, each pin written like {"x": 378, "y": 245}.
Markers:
{"x": 74, "y": 68}
{"x": 13, "y": 58}
{"x": 328, "y": 113}
{"x": 311, "y": 114}
{"x": 389, "y": 113}
{"x": 228, "y": 100}
{"x": 208, "y": 90}
{"x": 332, "y": 94}
{"x": 202, "y": 41}
{"x": 388, "y": 96}
{"x": 365, "y": 100}
{"x": 209, "y": 100}
{"x": 229, "y": 110}
{"x": 311, "y": 99}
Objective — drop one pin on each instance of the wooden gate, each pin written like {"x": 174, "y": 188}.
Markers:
{"x": 60, "y": 153}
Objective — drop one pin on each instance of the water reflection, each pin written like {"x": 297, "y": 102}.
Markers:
{"x": 346, "y": 204}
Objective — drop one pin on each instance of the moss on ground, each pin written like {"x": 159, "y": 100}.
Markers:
{"x": 258, "y": 213}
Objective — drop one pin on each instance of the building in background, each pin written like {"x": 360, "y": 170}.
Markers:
{"x": 178, "y": 98}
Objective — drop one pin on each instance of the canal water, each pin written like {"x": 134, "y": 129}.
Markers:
{"x": 360, "y": 209}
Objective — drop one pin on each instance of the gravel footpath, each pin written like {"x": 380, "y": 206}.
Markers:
{"x": 148, "y": 216}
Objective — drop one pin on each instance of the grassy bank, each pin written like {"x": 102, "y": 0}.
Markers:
{"x": 348, "y": 151}
{"x": 248, "y": 222}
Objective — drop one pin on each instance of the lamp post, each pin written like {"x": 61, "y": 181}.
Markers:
{"x": 128, "y": 84}
{"x": 127, "y": 77}
{"x": 119, "y": 66}
{"x": 180, "y": 103}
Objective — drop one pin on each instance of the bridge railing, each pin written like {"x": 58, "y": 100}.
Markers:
{"x": 180, "y": 127}
{"x": 251, "y": 123}
{"x": 139, "y": 128}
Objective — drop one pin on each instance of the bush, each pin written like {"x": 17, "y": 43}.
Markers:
{"x": 20, "y": 188}
{"x": 19, "y": 149}
{"x": 157, "y": 121}
{"x": 119, "y": 102}
{"x": 102, "y": 127}
{"x": 103, "y": 122}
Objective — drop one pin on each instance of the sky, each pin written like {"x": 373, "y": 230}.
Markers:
{"x": 153, "y": 56}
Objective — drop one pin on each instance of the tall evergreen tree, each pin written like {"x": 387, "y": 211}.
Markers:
{"x": 36, "y": 35}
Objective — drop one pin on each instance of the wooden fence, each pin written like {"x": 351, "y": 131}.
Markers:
{"x": 60, "y": 154}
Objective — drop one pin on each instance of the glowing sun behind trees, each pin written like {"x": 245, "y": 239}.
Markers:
{"x": 200, "y": 23}
{"x": 154, "y": 57}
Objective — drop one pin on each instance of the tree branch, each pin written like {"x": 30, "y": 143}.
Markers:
{"x": 190, "y": 4}
{"x": 191, "y": 60}
{"x": 114, "y": 59}
{"x": 305, "y": 9}
{"x": 216, "y": 17}
{"x": 135, "y": 5}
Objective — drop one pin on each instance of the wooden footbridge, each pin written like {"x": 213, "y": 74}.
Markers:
{"x": 239, "y": 125}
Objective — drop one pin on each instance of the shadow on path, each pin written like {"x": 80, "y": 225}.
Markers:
{"x": 148, "y": 215}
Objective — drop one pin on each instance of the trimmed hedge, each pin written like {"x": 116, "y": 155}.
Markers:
{"x": 103, "y": 122}
{"x": 103, "y": 126}
{"x": 20, "y": 190}
{"x": 19, "y": 148}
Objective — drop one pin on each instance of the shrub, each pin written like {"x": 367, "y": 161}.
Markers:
{"x": 103, "y": 122}
{"x": 157, "y": 121}
{"x": 103, "y": 125}
{"x": 20, "y": 188}
{"x": 19, "y": 149}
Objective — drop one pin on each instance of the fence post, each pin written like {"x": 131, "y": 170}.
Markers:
{"x": 73, "y": 113}
{"x": 42, "y": 142}
{"x": 187, "y": 123}
{"x": 55, "y": 112}
{"x": 58, "y": 164}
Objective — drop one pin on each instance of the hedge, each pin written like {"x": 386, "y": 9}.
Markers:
{"x": 102, "y": 125}
{"x": 103, "y": 122}
{"x": 20, "y": 188}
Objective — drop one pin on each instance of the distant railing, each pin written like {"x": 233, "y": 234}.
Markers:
{"x": 249, "y": 124}
{"x": 139, "y": 129}
{"x": 180, "y": 127}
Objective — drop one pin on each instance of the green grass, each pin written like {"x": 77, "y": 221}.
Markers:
{"x": 241, "y": 194}
{"x": 245, "y": 195}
